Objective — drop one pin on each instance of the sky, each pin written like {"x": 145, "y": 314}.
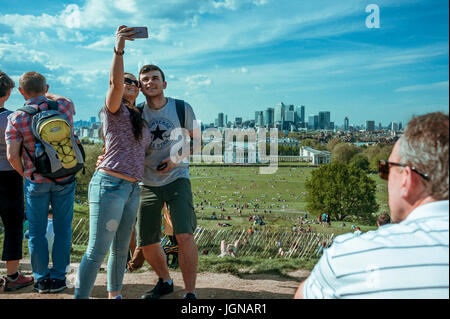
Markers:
{"x": 241, "y": 56}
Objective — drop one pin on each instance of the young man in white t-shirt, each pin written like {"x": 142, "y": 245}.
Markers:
{"x": 166, "y": 181}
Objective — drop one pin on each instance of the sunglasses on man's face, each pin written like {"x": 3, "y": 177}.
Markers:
{"x": 130, "y": 81}
{"x": 383, "y": 169}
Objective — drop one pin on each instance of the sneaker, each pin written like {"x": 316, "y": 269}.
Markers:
{"x": 118, "y": 297}
{"x": 2, "y": 282}
{"x": 190, "y": 296}
{"x": 42, "y": 286}
{"x": 57, "y": 285}
{"x": 162, "y": 288}
{"x": 21, "y": 282}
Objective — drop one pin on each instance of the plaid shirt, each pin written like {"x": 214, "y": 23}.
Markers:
{"x": 19, "y": 130}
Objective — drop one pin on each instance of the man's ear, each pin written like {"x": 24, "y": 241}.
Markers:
{"x": 8, "y": 94}
{"x": 22, "y": 92}
{"x": 411, "y": 185}
{"x": 164, "y": 85}
{"x": 46, "y": 90}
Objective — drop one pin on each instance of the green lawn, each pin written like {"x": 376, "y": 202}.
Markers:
{"x": 281, "y": 195}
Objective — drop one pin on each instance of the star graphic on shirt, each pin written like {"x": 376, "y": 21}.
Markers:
{"x": 158, "y": 133}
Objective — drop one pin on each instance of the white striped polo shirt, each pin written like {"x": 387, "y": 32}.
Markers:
{"x": 406, "y": 260}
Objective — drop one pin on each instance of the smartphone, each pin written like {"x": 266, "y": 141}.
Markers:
{"x": 141, "y": 33}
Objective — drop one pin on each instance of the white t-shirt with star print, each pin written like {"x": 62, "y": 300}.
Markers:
{"x": 161, "y": 123}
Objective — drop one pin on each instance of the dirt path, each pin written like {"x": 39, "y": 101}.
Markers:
{"x": 209, "y": 286}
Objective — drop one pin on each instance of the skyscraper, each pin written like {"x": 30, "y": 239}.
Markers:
{"x": 268, "y": 117}
{"x": 259, "y": 118}
{"x": 279, "y": 112}
{"x": 370, "y": 126}
{"x": 302, "y": 114}
{"x": 346, "y": 124}
{"x": 220, "y": 122}
{"x": 324, "y": 120}
{"x": 313, "y": 122}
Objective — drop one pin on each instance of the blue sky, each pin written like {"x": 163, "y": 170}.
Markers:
{"x": 239, "y": 56}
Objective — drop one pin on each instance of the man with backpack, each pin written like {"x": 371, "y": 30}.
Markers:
{"x": 166, "y": 180}
{"x": 58, "y": 189}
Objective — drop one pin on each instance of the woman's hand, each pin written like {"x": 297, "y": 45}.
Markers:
{"x": 123, "y": 33}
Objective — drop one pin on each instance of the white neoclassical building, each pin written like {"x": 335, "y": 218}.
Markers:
{"x": 315, "y": 157}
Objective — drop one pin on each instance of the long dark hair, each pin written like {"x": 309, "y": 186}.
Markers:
{"x": 137, "y": 122}
{"x": 136, "y": 119}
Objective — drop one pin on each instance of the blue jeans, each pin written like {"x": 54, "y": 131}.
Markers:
{"x": 38, "y": 196}
{"x": 113, "y": 205}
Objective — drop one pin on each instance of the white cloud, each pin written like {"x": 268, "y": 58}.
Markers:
{"x": 198, "y": 80}
{"x": 128, "y": 6}
{"x": 423, "y": 87}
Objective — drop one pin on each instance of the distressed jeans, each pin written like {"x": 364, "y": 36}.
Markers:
{"x": 113, "y": 205}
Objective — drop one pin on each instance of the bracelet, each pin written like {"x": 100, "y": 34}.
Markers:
{"x": 117, "y": 52}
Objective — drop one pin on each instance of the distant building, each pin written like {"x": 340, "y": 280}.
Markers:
{"x": 269, "y": 117}
{"x": 280, "y": 108}
{"x": 370, "y": 126}
{"x": 259, "y": 118}
{"x": 315, "y": 157}
{"x": 220, "y": 120}
{"x": 346, "y": 124}
{"x": 324, "y": 120}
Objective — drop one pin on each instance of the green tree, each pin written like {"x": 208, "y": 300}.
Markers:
{"x": 332, "y": 143}
{"x": 375, "y": 153}
{"x": 92, "y": 153}
{"x": 344, "y": 152}
{"x": 360, "y": 160}
{"x": 341, "y": 190}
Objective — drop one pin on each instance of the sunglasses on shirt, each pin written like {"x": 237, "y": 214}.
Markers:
{"x": 383, "y": 169}
{"x": 130, "y": 81}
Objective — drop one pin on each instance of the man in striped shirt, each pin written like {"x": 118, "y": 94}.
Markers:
{"x": 410, "y": 257}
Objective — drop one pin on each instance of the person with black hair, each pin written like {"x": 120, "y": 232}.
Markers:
{"x": 114, "y": 188}
{"x": 11, "y": 202}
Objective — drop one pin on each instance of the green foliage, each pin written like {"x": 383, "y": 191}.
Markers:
{"x": 360, "y": 161}
{"x": 375, "y": 153}
{"x": 92, "y": 153}
{"x": 290, "y": 150}
{"x": 344, "y": 152}
{"x": 314, "y": 144}
{"x": 341, "y": 191}
{"x": 332, "y": 143}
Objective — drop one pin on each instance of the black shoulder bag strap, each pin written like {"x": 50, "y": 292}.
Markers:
{"x": 2, "y": 110}
{"x": 179, "y": 104}
{"x": 181, "y": 112}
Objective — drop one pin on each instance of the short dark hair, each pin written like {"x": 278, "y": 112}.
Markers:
{"x": 383, "y": 219}
{"x": 152, "y": 67}
{"x": 6, "y": 84}
{"x": 33, "y": 82}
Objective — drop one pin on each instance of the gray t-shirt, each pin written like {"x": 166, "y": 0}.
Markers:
{"x": 161, "y": 123}
{"x": 4, "y": 164}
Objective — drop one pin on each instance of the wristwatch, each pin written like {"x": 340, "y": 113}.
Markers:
{"x": 117, "y": 52}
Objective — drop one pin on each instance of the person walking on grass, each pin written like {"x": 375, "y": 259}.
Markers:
{"x": 11, "y": 202}
{"x": 114, "y": 190}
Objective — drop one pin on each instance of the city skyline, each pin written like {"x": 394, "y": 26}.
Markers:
{"x": 239, "y": 57}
